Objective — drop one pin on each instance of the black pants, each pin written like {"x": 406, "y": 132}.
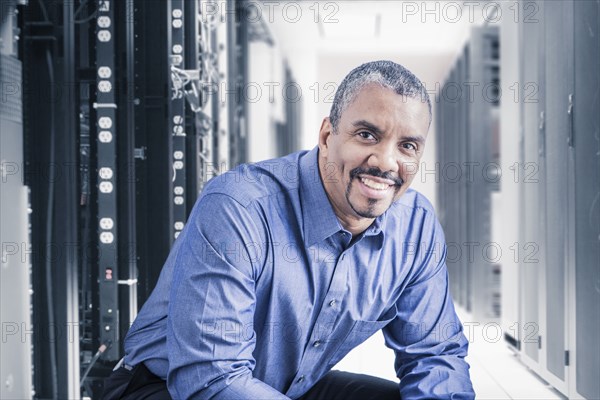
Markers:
{"x": 139, "y": 383}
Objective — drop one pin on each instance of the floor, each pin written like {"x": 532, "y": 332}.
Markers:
{"x": 496, "y": 372}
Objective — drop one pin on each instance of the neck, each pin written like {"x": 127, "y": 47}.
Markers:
{"x": 354, "y": 226}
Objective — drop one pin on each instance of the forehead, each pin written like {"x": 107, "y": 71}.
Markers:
{"x": 382, "y": 105}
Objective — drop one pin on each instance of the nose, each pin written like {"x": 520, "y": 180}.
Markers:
{"x": 385, "y": 158}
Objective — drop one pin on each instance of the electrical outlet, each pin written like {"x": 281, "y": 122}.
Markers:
{"x": 105, "y": 187}
{"x": 105, "y": 136}
{"x": 104, "y": 86}
{"x": 105, "y": 173}
{"x": 107, "y": 237}
{"x": 104, "y": 72}
{"x": 103, "y": 21}
{"x": 105, "y": 122}
{"x": 176, "y": 59}
{"x": 106, "y": 223}
{"x": 104, "y": 35}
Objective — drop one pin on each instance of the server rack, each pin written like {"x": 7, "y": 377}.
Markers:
{"x": 560, "y": 216}
{"x": 585, "y": 276}
{"x": 47, "y": 50}
{"x": 288, "y": 132}
{"x": 468, "y": 157}
{"x": 556, "y": 170}
{"x": 118, "y": 103}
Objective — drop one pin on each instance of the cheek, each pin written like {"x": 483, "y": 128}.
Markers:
{"x": 344, "y": 166}
{"x": 409, "y": 169}
{"x": 336, "y": 172}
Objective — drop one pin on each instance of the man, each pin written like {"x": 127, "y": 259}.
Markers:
{"x": 286, "y": 265}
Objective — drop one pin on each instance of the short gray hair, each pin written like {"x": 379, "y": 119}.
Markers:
{"x": 388, "y": 74}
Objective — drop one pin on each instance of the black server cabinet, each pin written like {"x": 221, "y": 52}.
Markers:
{"x": 586, "y": 145}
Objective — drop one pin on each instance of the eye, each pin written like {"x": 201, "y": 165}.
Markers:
{"x": 409, "y": 146}
{"x": 366, "y": 135}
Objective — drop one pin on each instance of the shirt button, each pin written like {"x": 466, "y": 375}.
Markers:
{"x": 332, "y": 303}
{"x": 299, "y": 380}
{"x": 317, "y": 343}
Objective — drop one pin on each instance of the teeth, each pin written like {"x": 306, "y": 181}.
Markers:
{"x": 374, "y": 185}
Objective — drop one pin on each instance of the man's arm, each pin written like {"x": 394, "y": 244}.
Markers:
{"x": 426, "y": 334}
{"x": 210, "y": 335}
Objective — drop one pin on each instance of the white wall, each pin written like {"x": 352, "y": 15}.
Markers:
{"x": 265, "y": 102}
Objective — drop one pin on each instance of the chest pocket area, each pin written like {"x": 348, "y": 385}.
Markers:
{"x": 361, "y": 331}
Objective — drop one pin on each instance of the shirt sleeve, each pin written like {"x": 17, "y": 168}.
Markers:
{"x": 210, "y": 334}
{"x": 426, "y": 335}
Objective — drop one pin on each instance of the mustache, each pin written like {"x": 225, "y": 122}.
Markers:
{"x": 376, "y": 172}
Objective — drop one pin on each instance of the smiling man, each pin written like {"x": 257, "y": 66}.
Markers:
{"x": 374, "y": 147}
{"x": 286, "y": 265}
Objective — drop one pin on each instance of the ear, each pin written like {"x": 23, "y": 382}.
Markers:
{"x": 324, "y": 134}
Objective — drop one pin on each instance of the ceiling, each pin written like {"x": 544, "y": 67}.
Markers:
{"x": 385, "y": 26}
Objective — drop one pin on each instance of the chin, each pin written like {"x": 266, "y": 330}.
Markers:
{"x": 374, "y": 209}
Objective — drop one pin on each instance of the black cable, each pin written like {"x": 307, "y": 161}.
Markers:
{"x": 101, "y": 349}
{"x": 49, "y": 222}
{"x": 89, "y": 17}
{"x": 78, "y": 10}
{"x": 44, "y": 12}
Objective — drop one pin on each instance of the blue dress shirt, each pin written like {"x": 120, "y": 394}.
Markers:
{"x": 264, "y": 292}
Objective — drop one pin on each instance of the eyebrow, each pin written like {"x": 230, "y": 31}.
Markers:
{"x": 366, "y": 124}
{"x": 418, "y": 139}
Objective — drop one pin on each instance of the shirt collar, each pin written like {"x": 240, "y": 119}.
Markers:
{"x": 320, "y": 221}
{"x": 318, "y": 216}
{"x": 377, "y": 227}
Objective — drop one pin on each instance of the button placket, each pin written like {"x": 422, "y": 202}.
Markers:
{"x": 327, "y": 317}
